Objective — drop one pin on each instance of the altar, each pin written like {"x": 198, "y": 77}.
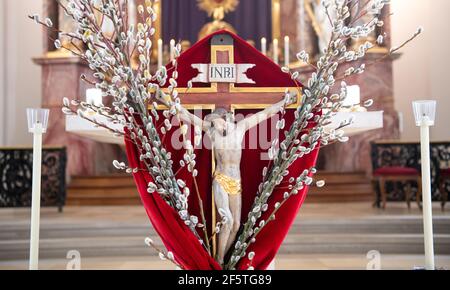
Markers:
{"x": 363, "y": 122}
{"x": 209, "y": 133}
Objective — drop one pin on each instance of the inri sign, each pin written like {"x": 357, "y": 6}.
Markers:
{"x": 222, "y": 73}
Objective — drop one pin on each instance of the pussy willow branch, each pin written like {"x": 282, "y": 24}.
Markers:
{"x": 105, "y": 47}
{"x": 200, "y": 200}
{"x": 150, "y": 243}
{"x": 316, "y": 92}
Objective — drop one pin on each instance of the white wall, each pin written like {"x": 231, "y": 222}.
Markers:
{"x": 423, "y": 72}
{"x": 20, "y": 85}
{"x": 2, "y": 73}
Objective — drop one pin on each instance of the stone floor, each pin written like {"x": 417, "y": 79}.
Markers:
{"x": 14, "y": 224}
{"x": 283, "y": 262}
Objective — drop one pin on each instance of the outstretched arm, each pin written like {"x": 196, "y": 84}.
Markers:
{"x": 192, "y": 119}
{"x": 187, "y": 116}
{"x": 259, "y": 117}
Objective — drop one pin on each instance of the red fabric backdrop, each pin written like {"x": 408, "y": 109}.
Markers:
{"x": 174, "y": 233}
{"x": 266, "y": 73}
{"x": 271, "y": 237}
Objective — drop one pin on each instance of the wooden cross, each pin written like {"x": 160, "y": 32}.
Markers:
{"x": 226, "y": 94}
{"x": 229, "y": 96}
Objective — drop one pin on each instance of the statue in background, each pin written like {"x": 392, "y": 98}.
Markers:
{"x": 320, "y": 22}
{"x": 217, "y": 9}
{"x": 67, "y": 23}
{"x": 364, "y": 19}
{"x": 63, "y": 22}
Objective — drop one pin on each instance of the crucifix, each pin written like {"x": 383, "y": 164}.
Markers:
{"x": 225, "y": 133}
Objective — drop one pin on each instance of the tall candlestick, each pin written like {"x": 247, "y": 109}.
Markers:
{"x": 264, "y": 46}
{"x": 172, "y": 49}
{"x": 426, "y": 193}
{"x": 425, "y": 116}
{"x": 286, "y": 51}
{"x": 275, "y": 51}
{"x": 160, "y": 53}
{"x": 37, "y": 124}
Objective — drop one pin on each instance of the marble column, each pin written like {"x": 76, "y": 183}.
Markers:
{"x": 50, "y": 10}
{"x": 296, "y": 24}
{"x": 288, "y": 20}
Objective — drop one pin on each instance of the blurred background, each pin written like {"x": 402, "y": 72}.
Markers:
{"x": 341, "y": 223}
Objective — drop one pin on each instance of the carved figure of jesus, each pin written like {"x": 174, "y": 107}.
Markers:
{"x": 226, "y": 137}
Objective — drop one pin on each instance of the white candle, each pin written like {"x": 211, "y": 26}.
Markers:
{"x": 264, "y": 46}
{"x": 36, "y": 197}
{"x": 426, "y": 196}
{"x": 275, "y": 50}
{"x": 172, "y": 49}
{"x": 37, "y": 124}
{"x": 160, "y": 53}
{"x": 425, "y": 115}
{"x": 286, "y": 51}
{"x": 353, "y": 96}
{"x": 94, "y": 97}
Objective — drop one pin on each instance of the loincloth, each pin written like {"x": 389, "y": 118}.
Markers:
{"x": 230, "y": 185}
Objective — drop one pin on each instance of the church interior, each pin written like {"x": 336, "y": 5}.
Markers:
{"x": 370, "y": 213}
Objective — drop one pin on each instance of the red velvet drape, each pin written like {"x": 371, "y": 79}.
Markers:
{"x": 174, "y": 233}
{"x": 265, "y": 73}
{"x": 271, "y": 237}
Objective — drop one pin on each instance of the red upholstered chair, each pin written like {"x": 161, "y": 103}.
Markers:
{"x": 444, "y": 177}
{"x": 398, "y": 174}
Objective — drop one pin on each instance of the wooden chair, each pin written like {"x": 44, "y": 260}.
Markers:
{"x": 444, "y": 177}
{"x": 398, "y": 174}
